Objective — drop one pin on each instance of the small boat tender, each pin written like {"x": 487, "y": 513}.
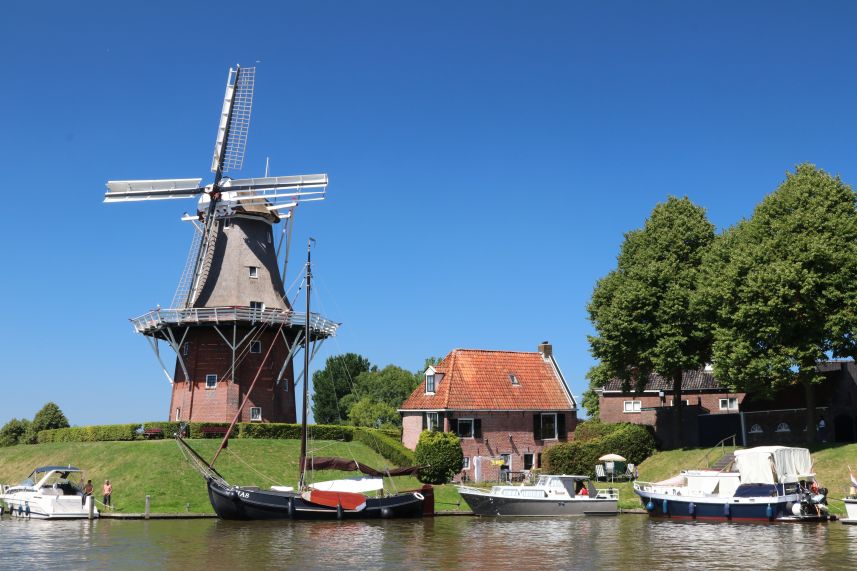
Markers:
{"x": 49, "y": 492}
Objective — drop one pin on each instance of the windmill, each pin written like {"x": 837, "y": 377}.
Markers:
{"x": 229, "y": 319}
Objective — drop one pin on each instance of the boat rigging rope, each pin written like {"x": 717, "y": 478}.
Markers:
{"x": 237, "y": 457}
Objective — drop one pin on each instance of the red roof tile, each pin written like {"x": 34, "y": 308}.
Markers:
{"x": 479, "y": 380}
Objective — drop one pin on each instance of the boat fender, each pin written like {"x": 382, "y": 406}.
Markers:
{"x": 666, "y": 507}
{"x": 27, "y": 510}
{"x": 650, "y": 506}
{"x": 386, "y": 513}
{"x": 691, "y": 507}
{"x": 339, "y": 511}
{"x": 726, "y": 510}
{"x": 796, "y": 509}
{"x": 419, "y": 496}
{"x": 769, "y": 511}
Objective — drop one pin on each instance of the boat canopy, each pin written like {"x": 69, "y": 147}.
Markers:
{"x": 44, "y": 469}
{"x": 330, "y": 463}
{"x": 773, "y": 465}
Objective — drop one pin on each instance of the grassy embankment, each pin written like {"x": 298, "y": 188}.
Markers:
{"x": 158, "y": 469}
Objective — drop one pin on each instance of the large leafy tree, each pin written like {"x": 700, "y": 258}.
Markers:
{"x": 782, "y": 288}
{"x": 15, "y": 432}
{"x": 50, "y": 416}
{"x": 386, "y": 390}
{"x": 334, "y": 382}
{"x": 644, "y": 312}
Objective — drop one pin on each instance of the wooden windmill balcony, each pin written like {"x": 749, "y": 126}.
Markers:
{"x": 156, "y": 321}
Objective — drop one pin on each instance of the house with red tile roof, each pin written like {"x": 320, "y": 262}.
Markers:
{"x": 506, "y": 406}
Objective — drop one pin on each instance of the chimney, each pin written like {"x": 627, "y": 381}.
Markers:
{"x": 546, "y": 349}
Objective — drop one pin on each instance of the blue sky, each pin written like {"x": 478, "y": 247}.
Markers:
{"x": 485, "y": 160}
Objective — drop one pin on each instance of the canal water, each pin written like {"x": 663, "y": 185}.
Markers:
{"x": 628, "y": 543}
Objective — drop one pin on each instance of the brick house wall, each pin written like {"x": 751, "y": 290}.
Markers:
{"x": 502, "y": 432}
{"x": 208, "y": 354}
{"x": 611, "y": 405}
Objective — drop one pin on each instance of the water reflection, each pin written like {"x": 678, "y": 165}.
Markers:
{"x": 630, "y": 543}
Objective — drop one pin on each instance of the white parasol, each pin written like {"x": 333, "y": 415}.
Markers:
{"x": 611, "y": 458}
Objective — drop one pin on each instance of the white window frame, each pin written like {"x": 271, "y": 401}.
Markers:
{"x": 472, "y": 427}
{"x": 685, "y": 401}
{"x": 783, "y": 427}
{"x": 212, "y": 378}
{"x": 433, "y": 378}
{"x": 255, "y": 414}
{"x": 635, "y": 406}
{"x": 253, "y": 272}
{"x": 436, "y": 417}
{"x": 555, "y": 426}
{"x": 257, "y": 306}
{"x": 178, "y": 414}
{"x": 255, "y": 346}
{"x": 728, "y": 403}
{"x": 466, "y": 464}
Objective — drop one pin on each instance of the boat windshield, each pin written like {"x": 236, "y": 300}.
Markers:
{"x": 542, "y": 481}
{"x": 69, "y": 482}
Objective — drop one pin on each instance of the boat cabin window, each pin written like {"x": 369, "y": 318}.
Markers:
{"x": 211, "y": 381}
{"x": 465, "y": 428}
{"x": 632, "y": 406}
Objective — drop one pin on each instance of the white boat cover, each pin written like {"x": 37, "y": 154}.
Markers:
{"x": 355, "y": 485}
{"x": 773, "y": 464}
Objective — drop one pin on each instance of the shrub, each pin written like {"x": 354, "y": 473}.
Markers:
{"x": 15, "y": 432}
{"x": 440, "y": 455}
{"x": 387, "y": 446}
{"x": 633, "y": 441}
{"x": 594, "y": 428}
{"x": 89, "y": 433}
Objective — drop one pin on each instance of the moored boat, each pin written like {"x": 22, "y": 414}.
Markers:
{"x": 50, "y": 492}
{"x": 850, "y": 510}
{"x": 551, "y": 495}
{"x": 771, "y": 483}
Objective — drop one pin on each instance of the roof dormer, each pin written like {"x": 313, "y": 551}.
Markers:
{"x": 432, "y": 380}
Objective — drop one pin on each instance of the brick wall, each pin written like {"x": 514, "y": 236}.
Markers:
{"x": 611, "y": 406}
{"x": 208, "y": 354}
{"x": 502, "y": 433}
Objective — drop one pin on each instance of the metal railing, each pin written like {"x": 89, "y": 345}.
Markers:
{"x": 158, "y": 319}
{"x": 721, "y": 446}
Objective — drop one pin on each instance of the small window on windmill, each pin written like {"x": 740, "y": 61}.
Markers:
{"x": 255, "y": 346}
{"x": 211, "y": 381}
{"x": 186, "y": 349}
{"x": 257, "y": 305}
{"x": 514, "y": 380}
{"x": 254, "y": 271}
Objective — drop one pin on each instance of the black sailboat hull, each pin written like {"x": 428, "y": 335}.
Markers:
{"x": 237, "y": 503}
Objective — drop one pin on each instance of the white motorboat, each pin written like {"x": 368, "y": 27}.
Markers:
{"x": 50, "y": 492}
{"x": 850, "y": 510}
{"x": 551, "y": 495}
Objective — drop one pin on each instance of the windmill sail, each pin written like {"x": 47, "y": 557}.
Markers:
{"x": 134, "y": 190}
{"x": 234, "y": 120}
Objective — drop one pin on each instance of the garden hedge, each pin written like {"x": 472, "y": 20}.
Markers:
{"x": 440, "y": 455}
{"x": 633, "y": 441}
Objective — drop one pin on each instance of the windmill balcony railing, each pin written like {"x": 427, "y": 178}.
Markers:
{"x": 158, "y": 319}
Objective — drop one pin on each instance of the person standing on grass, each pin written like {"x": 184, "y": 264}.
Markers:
{"x": 108, "y": 491}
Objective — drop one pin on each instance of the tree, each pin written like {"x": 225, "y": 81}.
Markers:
{"x": 598, "y": 376}
{"x": 49, "y": 417}
{"x": 783, "y": 288}
{"x": 367, "y": 412}
{"x": 644, "y": 312}
{"x": 440, "y": 456}
{"x": 15, "y": 432}
{"x": 332, "y": 383}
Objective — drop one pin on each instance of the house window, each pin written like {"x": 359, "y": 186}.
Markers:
{"x": 430, "y": 383}
{"x": 211, "y": 381}
{"x": 684, "y": 402}
{"x": 783, "y": 427}
{"x": 255, "y": 346}
{"x": 632, "y": 406}
{"x": 432, "y": 421}
{"x": 255, "y": 413}
{"x": 549, "y": 431}
{"x": 178, "y": 414}
{"x": 528, "y": 461}
{"x": 254, "y": 271}
{"x": 465, "y": 428}
{"x": 466, "y": 465}
{"x": 729, "y": 404}
{"x": 514, "y": 379}
{"x": 185, "y": 349}
{"x": 756, "y": 429}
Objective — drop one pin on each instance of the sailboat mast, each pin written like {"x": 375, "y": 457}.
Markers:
{"x": 306, "y": 369}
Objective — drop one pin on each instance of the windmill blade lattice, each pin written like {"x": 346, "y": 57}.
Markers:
{"x": 234, "y": 120}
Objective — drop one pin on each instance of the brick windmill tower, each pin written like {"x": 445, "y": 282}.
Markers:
{"x": 230, "y": 319}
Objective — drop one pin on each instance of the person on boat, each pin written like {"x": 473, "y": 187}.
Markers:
{"x": 107, "y": 491}
{"x": 87, "y": 491}
{"x": 584, "y": 491}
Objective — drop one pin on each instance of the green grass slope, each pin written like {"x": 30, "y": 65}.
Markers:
{"x": 158, "y": 469}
